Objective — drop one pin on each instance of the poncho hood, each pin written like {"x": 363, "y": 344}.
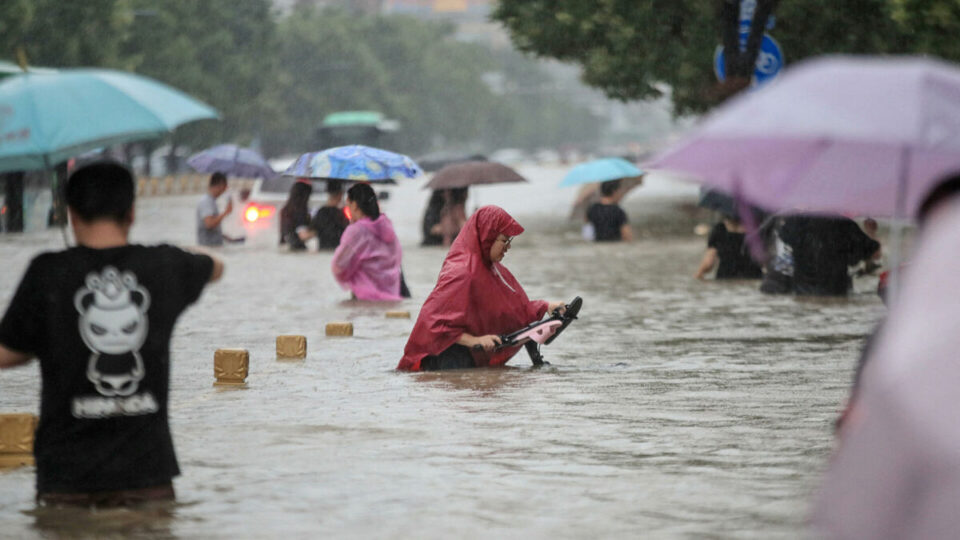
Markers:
{"x": 473, "y": 295}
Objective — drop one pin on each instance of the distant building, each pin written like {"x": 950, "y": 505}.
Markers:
{"x": 368, "y": 7}
{"x": 459, "y": 9}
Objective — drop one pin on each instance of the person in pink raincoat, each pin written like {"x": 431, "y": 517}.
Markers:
{"x": 367, "y": 262}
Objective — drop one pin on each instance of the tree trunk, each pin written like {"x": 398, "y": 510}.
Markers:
{"x": 13, "y": 201}
{"x": 172, "y": 158}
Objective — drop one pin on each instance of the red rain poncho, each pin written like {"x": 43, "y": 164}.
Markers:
{"x": 473, "y": 295}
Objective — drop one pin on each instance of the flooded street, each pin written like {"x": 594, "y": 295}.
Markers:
{"x": 671, "y": 409}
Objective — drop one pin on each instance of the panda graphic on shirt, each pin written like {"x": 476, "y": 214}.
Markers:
{"x": 113, "y": 324}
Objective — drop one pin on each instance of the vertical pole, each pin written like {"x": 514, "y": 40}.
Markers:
{"x": 896, "y": 230}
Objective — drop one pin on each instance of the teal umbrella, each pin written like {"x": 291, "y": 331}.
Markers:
{"x": 46, "y": 118}
{"x": 8, "y": 69}
{"x": 600, "y": 170}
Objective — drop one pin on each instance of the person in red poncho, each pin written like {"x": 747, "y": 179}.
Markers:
{"x": 475, "y": 300}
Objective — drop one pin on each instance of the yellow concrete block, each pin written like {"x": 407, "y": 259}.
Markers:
{"x": 141, "y": 187}
{"x": 16, "y": 439}
{"x": 168, "y": 185}
{"x": 154, "y": 186}
{"x": 398, "y": 314}
{"x": 291, "y": 347}
{"x": 231, "y": 366}
{"x": 339, "y": 329}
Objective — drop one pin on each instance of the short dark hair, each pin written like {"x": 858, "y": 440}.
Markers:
{"x": 609, "y": 187}
{"x": 101, "y": 190}
{"x": 334, "y": 186}
{"x": 366, "y": 199}
{"x": 217, "y": 178}
{"x": 947, "y": 188}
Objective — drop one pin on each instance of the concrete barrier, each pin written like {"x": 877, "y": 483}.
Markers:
{"x": 291, "y": 347}
{"x": 398, "y": 315}
{"x": 16, "y": 439}
{"x": 342, "y": 329}
{"x": 231, "y": 367}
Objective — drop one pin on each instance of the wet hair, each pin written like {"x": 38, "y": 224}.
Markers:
{"x": 458, "y": 195}
{"x": 366, "y": 199}
{"x": 299, "y": 196}
{"x": 101, "y": 190}
{"x": 334, "y": 187}
{"x": 732, "y": 218}
{"x": 609, "y": 187}
{"x": 217, "y": 178}
{"x": 947, "y": 188}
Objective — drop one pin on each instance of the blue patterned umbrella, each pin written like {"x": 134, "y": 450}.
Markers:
{"x": 355, "y": 162}
{"x": 231, "y": 160}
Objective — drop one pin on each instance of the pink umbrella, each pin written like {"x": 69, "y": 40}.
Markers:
{"x": 840, "y": 134}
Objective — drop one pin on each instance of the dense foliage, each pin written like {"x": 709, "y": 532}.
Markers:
{"x": 631, "y": 49}
{"x": 273, "y": 78}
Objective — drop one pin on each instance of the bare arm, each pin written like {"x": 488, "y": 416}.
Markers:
{"x": 707, "y": 263}
{"x": 212, "y": 221}
{"x": 626, "y": 232}
{"x": 10, "y": 358}
{"x": 217, "y": 269}
{"x": 487, "y": 342}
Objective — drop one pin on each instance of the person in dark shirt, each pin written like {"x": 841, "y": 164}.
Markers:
{"x": 329, "y": 222}
{"x": 608, "y": 219}
{"x": 727, "y": 251}
{"x": 295, "y": 215}
{"x": 823, "y": 249}
{"x": 431, "y": 227}
{"x": 99, "y": 317}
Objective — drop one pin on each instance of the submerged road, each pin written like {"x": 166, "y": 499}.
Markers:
{"x": 672, "y": 408}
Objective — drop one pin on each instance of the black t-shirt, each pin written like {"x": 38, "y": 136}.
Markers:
{"x": 607, "y": 220}
{"x": 735, "y": 259}
{"x": 329, "y": 222}
{"x": 100, "y": 322}
{"x": 823, "y": 248}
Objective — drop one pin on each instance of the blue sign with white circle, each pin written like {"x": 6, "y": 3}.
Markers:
{"x": 769, "y": 60}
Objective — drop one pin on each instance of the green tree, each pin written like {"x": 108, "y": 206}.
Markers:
{"x": 216, "y": 50}
{"x": 630, "y": 49}
{"x": 65, "y": 34}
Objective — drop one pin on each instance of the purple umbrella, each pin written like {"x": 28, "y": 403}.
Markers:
{"x": 896, "y": 473}
{"x": 844, "y": 134}
{"x": 231, "y": 160}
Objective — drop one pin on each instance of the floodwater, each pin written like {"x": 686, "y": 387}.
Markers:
{"x": 671, "y": 409}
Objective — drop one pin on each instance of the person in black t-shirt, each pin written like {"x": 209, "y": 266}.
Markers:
{"x": 823, "y": 249}
{"x": 609, "y": 220}
{"x": 99, "y": 317}
{"x": 329, "y": 222}
{"x": 727, "y": 251}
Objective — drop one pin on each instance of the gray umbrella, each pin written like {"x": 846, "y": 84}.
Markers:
{"x": 461, "y": 175}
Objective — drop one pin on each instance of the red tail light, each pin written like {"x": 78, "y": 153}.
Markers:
{"x": 255, "y": 212}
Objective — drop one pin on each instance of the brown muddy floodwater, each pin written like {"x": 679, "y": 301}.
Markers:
{"x": 672, "y": 408}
